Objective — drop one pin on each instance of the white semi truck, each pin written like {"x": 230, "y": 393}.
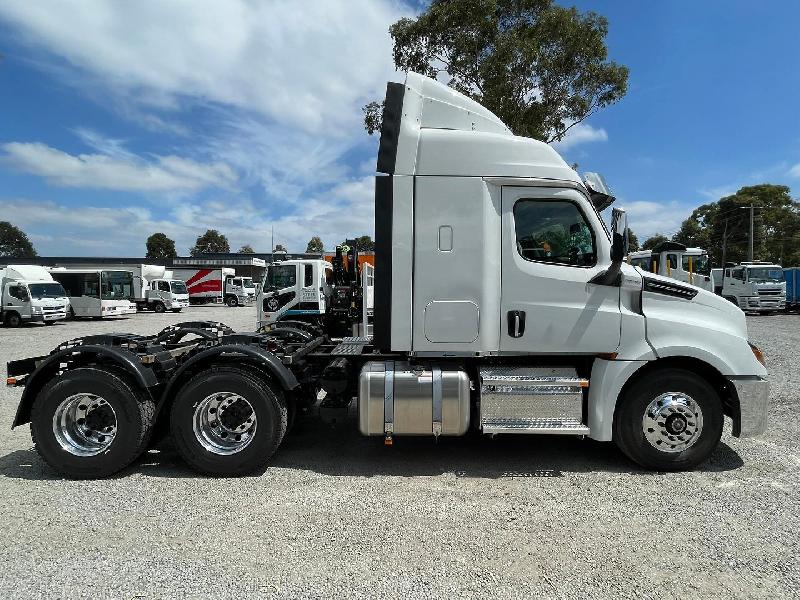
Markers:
{"x": 30, "y": 295}
{"x": 755, "y": 286}
{"x": 220, "y": 284}
{"x": 674, "y": 260}
{"x": 503, "y": 305}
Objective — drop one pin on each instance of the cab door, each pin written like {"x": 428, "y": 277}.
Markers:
{"x": 554, "y": 244}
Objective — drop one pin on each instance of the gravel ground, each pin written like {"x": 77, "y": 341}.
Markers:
{"x": 341, "y": 515}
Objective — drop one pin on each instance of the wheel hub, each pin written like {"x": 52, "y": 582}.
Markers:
{"x": 84, "y": 424}
{"x": 672, "y": 422}
{"x": 224, "y": 423}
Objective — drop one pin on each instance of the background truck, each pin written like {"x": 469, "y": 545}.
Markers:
{"x": 674, "y": 260}
{"x": 337, "y": 295}
{"x": 95, "y": 292}
{"x": 792, "y": 277}
{"x": 755, "y": 287}
{"x": 503, "y": 305}
{"x": 30, "y": 295}
{"x": 217, "y": 285}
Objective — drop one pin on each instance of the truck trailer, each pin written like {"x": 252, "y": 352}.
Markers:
{"x": 218, "y": 285}
{"x": 503, "y": 305}
{"x": 29, "y": 294}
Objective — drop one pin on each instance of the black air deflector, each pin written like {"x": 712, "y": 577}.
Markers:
{"x": 668, "y": 289}
{"x": 390, "y": 127}
{"x": 382, "y": 314}
{"x": 669, "y": 247}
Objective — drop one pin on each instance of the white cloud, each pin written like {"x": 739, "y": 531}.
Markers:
{"x": 647, "y": 217}
{"x": 581, "y": 133}
{"x": 117, "y": 170}
{"x": 344, "y": 210}
{"x": 795, "y": 171}
{"x": 304, "y": 64}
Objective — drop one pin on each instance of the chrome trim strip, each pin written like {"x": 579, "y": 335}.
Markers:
{"x": 436, "y": 373}
{"x": 388, "y": 397}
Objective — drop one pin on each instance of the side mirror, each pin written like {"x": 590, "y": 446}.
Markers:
{"x": 619, "y": 235}
{"x": 619, "y": 249}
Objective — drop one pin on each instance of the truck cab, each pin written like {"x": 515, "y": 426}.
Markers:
{"x": 755, "y": 286}
{"x": 167, "y": 294}
{"x": 296, "y": 290}
{"x": 30, "y": 295}
{"x": 674, "y": 260}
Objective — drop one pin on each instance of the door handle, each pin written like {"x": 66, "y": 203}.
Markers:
{"x": 516, "y": 323}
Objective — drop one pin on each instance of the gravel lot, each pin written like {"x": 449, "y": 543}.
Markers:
{"x": 337, "y": 514}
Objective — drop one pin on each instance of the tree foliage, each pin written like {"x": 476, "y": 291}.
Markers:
{"x": 540, "y": 67}
{"x": 315, "y": 245}
{"x": 160, "y": 246}
{"x": 653, "y": 241}
{"x": 363, "y": 243}
{"x": 14, "y": 242}
{"x": 211, "y": 242}
{"x": 280, "y": 248}
{"x": 633, "y": 241}
{"x": 246, "y": 249}
{"x": 723, "y": 227}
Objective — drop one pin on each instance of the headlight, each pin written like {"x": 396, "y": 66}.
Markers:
{"x": 758, "y": 354}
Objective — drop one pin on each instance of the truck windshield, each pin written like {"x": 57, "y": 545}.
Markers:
{"x": 46, "y": 290}
{"x": 281, "y": 276}
{"x": 248, "y": 282}
{"x": 116, "y": 285}
{"x": 178, "y": 287}
{"x": 765, "y": 275}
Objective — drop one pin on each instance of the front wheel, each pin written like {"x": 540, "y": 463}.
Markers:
{"x": 232, "y": 301}
{"x": 159, "y": 307}
{"x": 670, "y": 420}
{"x": 227, "y": 421}
{"x": 90, "y": 423}
{"x": 13, "y": 320}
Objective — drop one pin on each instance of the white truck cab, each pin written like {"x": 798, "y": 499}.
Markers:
{"x": 674, "y": 260}
{"x": 294, "y": 290}
{"x": 755, "y": 286}
{"x": 167, "y": 294}
{"x": 31, "y": 295}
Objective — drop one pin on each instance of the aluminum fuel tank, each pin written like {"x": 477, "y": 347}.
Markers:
{"x": 397, "y": 398}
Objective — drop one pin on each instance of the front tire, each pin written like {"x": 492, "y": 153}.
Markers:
{"x": 90, "y": 423}
{"x": 13, "y": 320}
{"x": 159, "y": 307}
{"x": 227, "y": 421}
{"x": 669, "y": 420}
{"x": 232, "y": 301}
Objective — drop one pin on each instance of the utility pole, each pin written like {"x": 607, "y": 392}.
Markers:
{"x": 724, "y": 243}
{"x": 272, "y": 248}
{"x": 751, "y": 207}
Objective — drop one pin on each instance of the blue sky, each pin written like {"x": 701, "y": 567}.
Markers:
{"x": 121, "y": 119}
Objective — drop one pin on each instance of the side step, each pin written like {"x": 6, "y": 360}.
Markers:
{"x": 532, "y": 400}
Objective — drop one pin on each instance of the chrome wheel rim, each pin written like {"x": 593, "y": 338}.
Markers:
{"x": 85, "y": 424}
{"x": 672, "y": 422}
{"x": 224, "y": 423}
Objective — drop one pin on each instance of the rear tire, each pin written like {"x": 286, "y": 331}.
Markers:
{"x": 687, "y": 426}
{"x": 13, "y": 320}
{"x": 78, "y": 451}
{"x": 211, "y": 446}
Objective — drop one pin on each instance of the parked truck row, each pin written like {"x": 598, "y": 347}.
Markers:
{"x": 503, "y": 305}
{"x": 752, "y": 286}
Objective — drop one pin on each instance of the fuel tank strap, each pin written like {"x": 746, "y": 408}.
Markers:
{"x": 437, "y": 400}
{"x": 388, "y": 397}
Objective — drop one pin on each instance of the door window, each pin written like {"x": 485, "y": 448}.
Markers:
{"x": 553, "y": 231}
{"x": 309, "y": 276}
{"x": 672, "y": 260}
{"x": 18, "y": 292}
{"x": 163, "y": 286}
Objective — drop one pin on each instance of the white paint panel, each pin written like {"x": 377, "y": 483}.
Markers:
{"x": 469, "y": 273}
{"x": 402, "y": 261}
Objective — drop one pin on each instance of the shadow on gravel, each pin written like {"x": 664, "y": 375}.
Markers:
{"x": 342, "y": 451}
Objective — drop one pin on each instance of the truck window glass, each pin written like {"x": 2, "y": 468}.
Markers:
{"x": 46, "y": 290}
{"x": 163, "y": 286}
{"x": 18, "y": 292}
{"x": 282, "y": 276}
{"x": 309, "y": 276}
{"x": 553, "y": 231}
{"x": 700, "y": 264}
{"x": 116, "y": 285}
{"x": 672, "y": 260}
{"x": 178, "y": 287}
{"x": 765, "y": 275}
